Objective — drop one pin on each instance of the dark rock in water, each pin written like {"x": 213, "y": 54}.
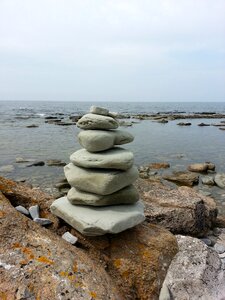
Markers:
{"x": 74, "y": 118}
{"x": 42, "y": 221}
{"x": 22, "y": 210}
{"x": 34, "y": 211}
{"x": 184, "y": 124}
{"x": 221, "y": 128}
{"x": 54, "y": 121}
{"x": 182, "y": 178}
{"x": 62, "y": 185}
{"x": 37, "y": 164}
{"x": 32, "y": 126}
{"x": 65, "y": 124}
{"x": 203, "y": 124}
{"x": 162, "y": 121}
{"x": 50, "y": 118}
{"x": 55, "y": 162}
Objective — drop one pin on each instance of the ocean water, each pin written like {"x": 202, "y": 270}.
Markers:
{"x": 154, "y": 142}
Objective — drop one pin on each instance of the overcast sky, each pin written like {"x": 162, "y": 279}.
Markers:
{"x": 112, "y": 50}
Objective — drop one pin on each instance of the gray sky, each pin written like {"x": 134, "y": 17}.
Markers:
{"x": 112, "y": 50}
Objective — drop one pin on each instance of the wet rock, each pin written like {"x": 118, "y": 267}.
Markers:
{"x": 207, "y": 241}
{"x": 23, "y": 160}
{"x": 211, "y": 166}
{"x": 92, "y": 121}
{"x": 181, "y": 210}
{"x": 34, "y": 211}
{"x": 74, "y": 118}
{"x": 125, "y": 123}
{"x": 55, "y": 162}
{"x": 200, "y": 167}
{"x": 7, "y": 169}
{"x": 220, "y": 180}
{"x": 196, "y": 272}
{"x": 162, "y": 121}
{"x": 208, "y": 180}
{"x": 221, "y": 128}
{"x": 37, "y": 164}
{"x": 32, "y": 126}
{"x": 182, "y": 178}
{"x": 184, "y": 124}
{"x": 62, "y": 185}
{"x": 203, "y": 124}
{"x": 67, "y": 236}
{"x": 159, "y": 165}
{"x": 22, "y": 210}
{"x": 42, "y": 221}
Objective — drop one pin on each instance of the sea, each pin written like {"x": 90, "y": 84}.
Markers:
{"x": 154, "y": 142}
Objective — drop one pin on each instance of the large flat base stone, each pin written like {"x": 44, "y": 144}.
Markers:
{"x": 94, "y": 221}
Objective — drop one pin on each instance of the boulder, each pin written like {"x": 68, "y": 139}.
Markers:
{"x": 100, "y": 140}
{"x": 92, "y": 121}
{"x": 99, "y": 110}
{"x": 182, "y": 178}
{"x": 201, "y": 167}
{"x": 159, "y": 165}
{"x": 92, "y": 221}
{"x": 208, "y": 180}
{"x": 184, "y": 124}
{"x": 181, "y": 210}
{"x": 196, "y": 272}
{"x": 99, "y": 181}
{"x": 55, "y": 162}
{"x": 220, "y": 180}
{"x": 127, "y": 195}
{"x": 115, "y": 158}
{"x": 38, "y": 264}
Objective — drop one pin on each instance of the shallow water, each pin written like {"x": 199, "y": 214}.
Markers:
{"x": 178, "y": 145}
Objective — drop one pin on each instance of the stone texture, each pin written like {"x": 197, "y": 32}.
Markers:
{"x": 34, "y": 211}
{"x": 100, "y": 140}
{"x": 67, "y": 236}
{"x": 92, "y": 121}
{"x": 99, "y": 181}
{"x": 93, "y": 221}
{"x": 127, "y": 195}
{"x": 182, "y": 210}
{"x": 200, "y": 167}
{"x": 22, "y": 210}
{"x": 208, "y": 180}
{"x": 36, "y": 263}
{"x": 196, "y": 272}
{"x": 99, "y": 110}
{"x": 220, "y": 180}
{"x": 42, "y": 221}
{"x": 129, "y": 265}
{"x": 159, "y": 165}
{"x": 182, "y": 178}
{"x": 115, "y": 158}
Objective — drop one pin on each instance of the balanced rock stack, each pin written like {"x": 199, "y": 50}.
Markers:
{"x": 102, "y": 198}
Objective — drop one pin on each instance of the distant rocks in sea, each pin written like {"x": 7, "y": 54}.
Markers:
{"x": 102, "y": 198}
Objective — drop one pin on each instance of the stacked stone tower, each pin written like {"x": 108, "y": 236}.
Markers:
{"x": 102, "y": 198}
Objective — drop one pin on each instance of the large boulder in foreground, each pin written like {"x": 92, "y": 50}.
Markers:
{"x": 181, "y": 210}
{"x": 37, "y": 264}
{"x": 196, "y": 272}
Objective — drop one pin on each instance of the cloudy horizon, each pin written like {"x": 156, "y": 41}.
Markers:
{"x": 115, "y": 50}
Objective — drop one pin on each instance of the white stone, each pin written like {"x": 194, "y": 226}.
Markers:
{"x": 99, "y": 110}
{"x": 34, "y": 211}
{"x": 92, "y": 121}
{"x": 22, "y": 210}
{"x": 99, "y": 181}
{"x": 115, "y": 158}
{"x": 94, "y": 221}
{"x": 196, "y": 272}
{"x": 67, "y": 236}
{"x": 128, "y": 195}
{"x": 100, "y": 140}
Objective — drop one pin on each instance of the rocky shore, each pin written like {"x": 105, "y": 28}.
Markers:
{"x": 177, "y": 253}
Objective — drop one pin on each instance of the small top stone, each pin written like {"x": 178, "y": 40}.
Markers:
{"x": 99, "y": 110}
{"x": 94, "y": 121}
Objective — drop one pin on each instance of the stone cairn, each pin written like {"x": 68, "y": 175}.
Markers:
{"x": 102, "y": 198}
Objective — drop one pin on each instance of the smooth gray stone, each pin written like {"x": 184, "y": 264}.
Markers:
{"x": 99, "y": 181}
{"x": 92, "y": 121}
{"x": 220, "y": 248}
{"x": 94, "y": 221}
{"x": 220, "y": 180}
{"x": 100, "y": 140}
{"x": 67, "y": 236}
{"x": 42, "y": 221}
{"x": 99, "y": 110}
{"x": 128, "y": 195}
{"x": 34, "y": 211}
{"x": 208, "y": 180}
{"x": 22, "y": 210}
{"x": 115, "y": 158}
